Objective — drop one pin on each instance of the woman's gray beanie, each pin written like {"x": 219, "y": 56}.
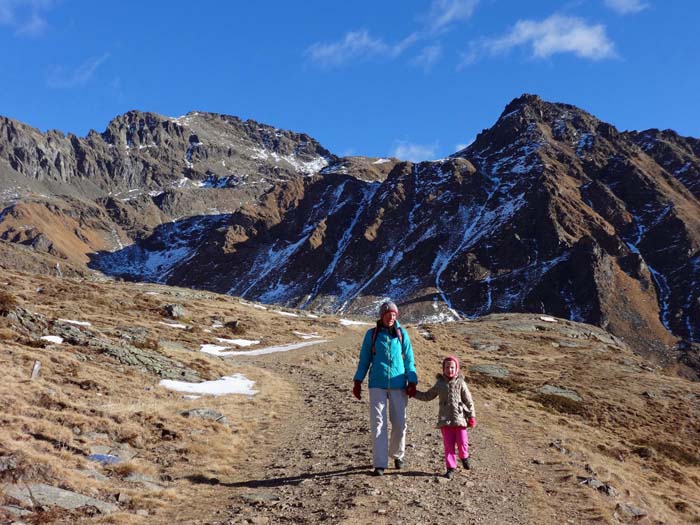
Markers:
{"x": 387, "y": 307}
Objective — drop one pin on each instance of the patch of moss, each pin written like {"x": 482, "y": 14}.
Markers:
{"x": 511, "y": 384}
{"x": 677, "y": 453}
{"x": 562, "y": 404}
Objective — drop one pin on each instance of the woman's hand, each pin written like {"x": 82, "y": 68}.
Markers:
{"x": 411, "y": 390}
{"x": 357, "y": 389}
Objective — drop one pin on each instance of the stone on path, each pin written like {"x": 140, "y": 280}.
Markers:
{"x": 498, "y": 371}
{"x": 206, "y": 413}
{"x": 561, "y": 392}
{"x": 33, "y": 494}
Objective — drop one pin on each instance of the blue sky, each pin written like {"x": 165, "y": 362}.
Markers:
{"x": 408, "y": 78}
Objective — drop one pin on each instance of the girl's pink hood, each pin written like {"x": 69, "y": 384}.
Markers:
{"x": 456, "y": 362}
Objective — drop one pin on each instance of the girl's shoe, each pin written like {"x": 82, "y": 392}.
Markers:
{"x": 450, "y": 473}
{"x": 466, "y": 464}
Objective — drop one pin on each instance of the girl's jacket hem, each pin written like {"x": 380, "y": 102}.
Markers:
{"x": 392, "y": 365}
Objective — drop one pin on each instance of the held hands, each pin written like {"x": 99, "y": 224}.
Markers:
{"x": 357, "y": 389}
{"x": 471, "y": 422}
{"x": 411, "y": 390}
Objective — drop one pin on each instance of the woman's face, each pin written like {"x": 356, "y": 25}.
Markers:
{"x": 449, "y": 368}
{"x": 389, "y": 318}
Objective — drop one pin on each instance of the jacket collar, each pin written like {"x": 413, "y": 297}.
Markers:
{"x": 393, "y": 330}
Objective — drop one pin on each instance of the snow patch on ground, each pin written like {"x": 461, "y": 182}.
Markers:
{"x": 79, "y": 323}
{"x": 223, "y": 351}
{"x": 350, "y": 322}
{"x": 288, "y": 314}
{"x": 308, "y": 167}
{"x": 176, "y": 242}
{"x": 585, "y": 143}
{"x": 238, "y": 342}
{"x": 303, "y": 335}
{"x": 235, "y": 384}
{"x": 174, "y": 325}
{"x": 52, "y": 339}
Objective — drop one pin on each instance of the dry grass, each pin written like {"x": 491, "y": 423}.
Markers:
{"x": 7, "y": 334}
{"x": 682, "y": 454}
{"x": 560, "y": 404}
{"x": 82, "y": 400}
{"x": 148, "y": 343}
{"x": 7, "y": 302}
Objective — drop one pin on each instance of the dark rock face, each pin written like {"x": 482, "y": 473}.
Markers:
{"x": 550, "y": 210}
{"x": 148, "y": 152}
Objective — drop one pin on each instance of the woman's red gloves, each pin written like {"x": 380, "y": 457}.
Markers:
{"x": 357, "y": 389}
{"x": 471, "y": 422}
{"x": 411, "y": 390}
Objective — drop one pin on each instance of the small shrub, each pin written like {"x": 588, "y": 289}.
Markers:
{"x": 123, "y": 469}
{"x": 510, "y": 384}
{"x": 195, "y": 329}
{"x": 235, "y": 327}
{"x": 678, "y": 453}
{"x": 680, "y": 506}
{"x": 8, "y": 303}
{"x": 18, "y": 466}
{"x": 644, "y": 452}
{"x": 7, "y": 335}
{"x": 618, "y": 453}
{"x": 147, "y": 344}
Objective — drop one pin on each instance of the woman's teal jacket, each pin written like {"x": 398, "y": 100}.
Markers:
{"x": 392, "y": 365}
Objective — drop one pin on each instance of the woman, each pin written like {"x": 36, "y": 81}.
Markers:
{"x": 388, "y": 356}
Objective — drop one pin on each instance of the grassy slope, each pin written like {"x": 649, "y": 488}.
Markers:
{"x": 636, "y": 428}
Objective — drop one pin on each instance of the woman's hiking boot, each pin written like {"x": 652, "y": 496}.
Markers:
{"x": 466, "y": 464}
{"x": 450, "y": 473}
{"x": 378, "y": 472}
{"x": 398, "y": 463}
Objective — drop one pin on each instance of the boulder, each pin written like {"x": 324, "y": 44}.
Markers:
{"x": 31, "y": 494}
{"x": 561, "y": 392}
{"x": 498, "y": 371}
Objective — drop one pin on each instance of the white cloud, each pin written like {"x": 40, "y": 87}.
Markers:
{"x": 626, "y": 7}
{"x": 556, "y": 34}
{"x": 460, "y": 147}
{"x": 356, "y": 45}
{"x": 428, "y": 56}
{"x": 25, "y": 16}
{"x": 414, "y": 152}
{"x": 445, "y": 12}
{"x": 35, "y": 26}
{"x": 59, "y": 77}
{"x": 361, "y": 45}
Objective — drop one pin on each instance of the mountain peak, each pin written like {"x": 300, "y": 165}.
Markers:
{"x": 533, "y": 108}
{"x": 524, "y": 100}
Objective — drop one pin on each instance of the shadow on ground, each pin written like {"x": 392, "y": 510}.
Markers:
{"x": 295, "y": 480}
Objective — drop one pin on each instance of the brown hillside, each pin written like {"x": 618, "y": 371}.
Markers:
{"x": 573, "y": 426}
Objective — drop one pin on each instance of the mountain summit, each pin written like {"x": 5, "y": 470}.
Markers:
{"x": 550, "y": 210}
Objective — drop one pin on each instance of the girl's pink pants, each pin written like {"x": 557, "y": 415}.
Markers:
{"x": 452, "y": 436}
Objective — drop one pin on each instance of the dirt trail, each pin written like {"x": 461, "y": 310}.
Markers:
{"x": 313, "y": 464}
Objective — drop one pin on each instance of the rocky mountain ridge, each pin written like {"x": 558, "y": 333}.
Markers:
{"x": 550, "y": 210}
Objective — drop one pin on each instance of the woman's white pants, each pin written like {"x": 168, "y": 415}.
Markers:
{"x": 382, "y": 447}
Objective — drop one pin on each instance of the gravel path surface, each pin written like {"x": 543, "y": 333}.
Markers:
{"x": 315, "y": 465}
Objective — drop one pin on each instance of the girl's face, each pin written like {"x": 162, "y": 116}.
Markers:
{"x": 449, "y": 368}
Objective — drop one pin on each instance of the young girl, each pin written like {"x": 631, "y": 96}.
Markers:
{"x": 455, "y": 415}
